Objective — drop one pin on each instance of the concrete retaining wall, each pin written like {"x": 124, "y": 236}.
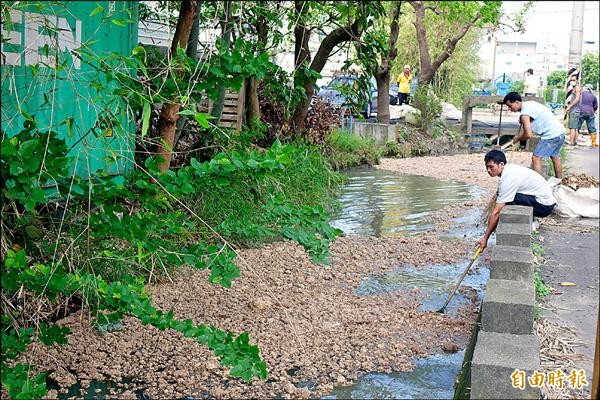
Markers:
{"x": 505, "y": 342}
{"x": 381, "y": 133}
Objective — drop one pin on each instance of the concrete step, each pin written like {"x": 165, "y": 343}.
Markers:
{"x": 513, "y": 214}
{"x": 512, "y": 263}
{"x": 508, "y": 307}
{"x": 514, "y": 234}
{"x": 496, "y": 357}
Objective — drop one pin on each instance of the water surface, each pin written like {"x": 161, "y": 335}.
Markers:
{"x": 376, "y": 202}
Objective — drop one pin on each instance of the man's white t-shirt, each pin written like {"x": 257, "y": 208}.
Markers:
{"x": 518, "y": 179}
{"x": 531, "y": 85}
{"x": 544, "y": 122}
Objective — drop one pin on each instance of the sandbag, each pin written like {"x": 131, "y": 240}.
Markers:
{"x": 583, "y": 202}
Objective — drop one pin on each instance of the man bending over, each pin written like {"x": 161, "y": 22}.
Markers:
{"x": 518, "y": 185}
{"x": 538, "y": 118}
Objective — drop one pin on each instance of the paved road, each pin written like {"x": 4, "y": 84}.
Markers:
{"x": 573, "y": 256}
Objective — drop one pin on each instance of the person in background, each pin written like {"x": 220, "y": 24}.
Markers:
{"x": 573, "y": 93}
{"x": 518, "y": 185}
{"x": 531, "y": 84}
{"x": 538, "y": 118}
{"x": 404, "y": 85}
{"x": 588, "y": 105}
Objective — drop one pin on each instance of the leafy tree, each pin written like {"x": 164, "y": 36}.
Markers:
{"x": 377, "y": 52}
{"x": 466, "y": 15}
{"x": 454, "y": 79}
{"x": 518, "y": 86}
{"x": 556, "y": 79}
{"x": 350, "y": 20}
{"x": 589, "y": 69}
{"x": 170, "y": 111}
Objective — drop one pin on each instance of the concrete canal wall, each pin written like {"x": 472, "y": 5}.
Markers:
{"x": 380, "y": 133}
{"x": 505, "y": 342}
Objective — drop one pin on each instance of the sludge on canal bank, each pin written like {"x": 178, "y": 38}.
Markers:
{"x": 313, "y": 328}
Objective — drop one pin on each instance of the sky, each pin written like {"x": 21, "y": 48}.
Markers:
{"x": 551, "y": 21}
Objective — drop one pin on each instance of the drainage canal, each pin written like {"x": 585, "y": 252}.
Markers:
{"x": 376, "y": 202}
{"x": 381, "y": 203}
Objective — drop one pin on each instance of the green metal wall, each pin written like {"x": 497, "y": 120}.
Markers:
{"x": 42, "y": 76}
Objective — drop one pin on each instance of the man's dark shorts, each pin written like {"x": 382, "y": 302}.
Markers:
{"x": 539, "y": 210}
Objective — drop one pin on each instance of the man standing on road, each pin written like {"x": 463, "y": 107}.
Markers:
{"x": 531, "y": 84}
{"x": 538, "y": 118}
{"x": 518, "y": 185}
{"x": 404, "y": 85}
{"x": 587, "y": 111}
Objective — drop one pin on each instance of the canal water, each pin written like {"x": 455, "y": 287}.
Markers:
{"x": 379, "y": 203}
{"x": 376, "y": 202}
{"x": 432, "y": 378}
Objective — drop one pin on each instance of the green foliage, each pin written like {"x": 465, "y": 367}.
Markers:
{"x": 541, "y": 288}
{"x": 590, "y": 65}
{"x": 489, "y": 11}
{"x": 429, "y": 106}
{"x": 518, "y": 86}
{"x": 31, "y": 160}
{"x": 137, "y": 223}
{"x": 346, "y": 150}
{"x": 556, "y": 79}
{"x": 17, "y": 383}
{"x": 144, "y": 225}
{"x": 559, "y": 96}
{"x": 455, "y": 77}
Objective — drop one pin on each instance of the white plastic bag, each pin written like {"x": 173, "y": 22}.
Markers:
{"x": 583, "y": 202}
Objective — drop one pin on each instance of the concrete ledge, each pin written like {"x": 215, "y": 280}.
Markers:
{"x": 513, "y": 234}
{"x": 512, "y": 263}
{"x": 508, "y": 307}
{"x": 380, "y": 133}
{"x": 516, "y": 214}
{"x": 496, "y": 357}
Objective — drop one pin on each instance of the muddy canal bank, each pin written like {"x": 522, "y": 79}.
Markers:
{"x": 314, "y": 328}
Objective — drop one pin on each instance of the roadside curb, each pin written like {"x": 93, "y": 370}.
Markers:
{"x": 507, "y": 350}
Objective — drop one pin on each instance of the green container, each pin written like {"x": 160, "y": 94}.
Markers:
{"x": 49, "y": 53}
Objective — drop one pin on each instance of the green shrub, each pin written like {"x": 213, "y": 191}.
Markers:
{"x": 560, "y": 98}
{"x": 345, "y": 150}
{"x": 429, "y": 106}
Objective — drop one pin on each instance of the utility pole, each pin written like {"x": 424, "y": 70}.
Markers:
{"x": 576, "y": 43}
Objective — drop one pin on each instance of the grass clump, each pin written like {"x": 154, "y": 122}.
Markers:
{"x": 345, "y": 150}
{"x": 541, "y": 288}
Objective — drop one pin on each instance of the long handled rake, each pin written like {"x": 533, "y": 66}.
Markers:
{"x": 441, "y": 310}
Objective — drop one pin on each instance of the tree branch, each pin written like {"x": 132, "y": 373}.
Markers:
{"x": 452, "y": 42}
{"x": 334, "y": 38}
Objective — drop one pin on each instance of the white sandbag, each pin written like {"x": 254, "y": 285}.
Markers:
{"x": 449, "y": 111}
{"x": 583, "y": 202}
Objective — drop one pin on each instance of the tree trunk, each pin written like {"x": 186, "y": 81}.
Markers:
{"x": 382, "y": 74}
{"x": 217, "y": 109}
{"x": 302, "y": 35}
{"x": 428, "y": 68}
{"x": 252, "y": 105}
{"x": 301, "y": 56}
{"x": 192, "y": 52}
{"x": 169, "y": 114}
{"x": 383, "y": 98}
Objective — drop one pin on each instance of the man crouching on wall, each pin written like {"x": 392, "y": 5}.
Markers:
{"x": 518, "y": 185}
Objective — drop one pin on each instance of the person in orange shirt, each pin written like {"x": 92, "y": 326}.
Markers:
{"x": 404, "y": 85}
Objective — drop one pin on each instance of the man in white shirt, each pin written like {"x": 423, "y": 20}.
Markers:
{"x": 538, "y": 118}
{"x": 531, "y": 84}
{"x": 518, "y": 185}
